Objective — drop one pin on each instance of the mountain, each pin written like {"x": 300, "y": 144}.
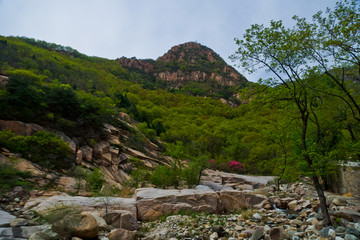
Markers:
{"x": 126, "y": 114}
{"x": 189, "y": 68}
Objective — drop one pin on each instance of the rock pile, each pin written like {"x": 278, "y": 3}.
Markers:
{"x": 200, "y": 213}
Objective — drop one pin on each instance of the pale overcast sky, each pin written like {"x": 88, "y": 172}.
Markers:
{"x": 146, "y": 28}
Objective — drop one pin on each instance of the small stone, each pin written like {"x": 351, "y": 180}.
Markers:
{"x": 257, "y": 216}
{"x": 313, "y": 221}
{"x": 339, "y": 238}
{"x": 339, "y": 202}
{"x": 350, "y": 237}
{"x": 214, "y": 236}
{"x": 297, "y": 222}
{"x": 340, "y": 229}
{"x": 18, "y": 222}
{"x": 332, "y": 234}
{"x": 325, "y": 231}
{"x": 258, "y": 234}
{"x": 357, "y": 226}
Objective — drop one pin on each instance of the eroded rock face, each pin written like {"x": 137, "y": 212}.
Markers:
{"x": 20, "y": 128}
{"x": 152, "y": 202}
{"x": 188, "y": 62}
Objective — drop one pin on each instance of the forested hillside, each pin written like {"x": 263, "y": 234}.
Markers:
{"x": 62, "y": 89}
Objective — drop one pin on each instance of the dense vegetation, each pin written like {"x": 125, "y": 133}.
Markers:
{"x": 316, "y": 67}
{"x": 60, "y": 88}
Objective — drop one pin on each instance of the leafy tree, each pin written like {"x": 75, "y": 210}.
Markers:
{"x": 277, "y": 49}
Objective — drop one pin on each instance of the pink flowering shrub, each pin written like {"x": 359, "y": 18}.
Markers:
{"x": 235, "y": 166}
{"x": 212, "y": 163}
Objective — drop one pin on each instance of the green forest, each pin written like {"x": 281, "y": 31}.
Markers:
{"x": 300, "y": 122}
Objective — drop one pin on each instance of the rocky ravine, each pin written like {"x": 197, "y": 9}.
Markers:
{"x": 225, "y": 213}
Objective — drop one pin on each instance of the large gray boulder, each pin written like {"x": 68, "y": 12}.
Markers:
{"x": 5, "y": 219}
{"x": 100, "y": 204}
{"x": 152, "y": 202}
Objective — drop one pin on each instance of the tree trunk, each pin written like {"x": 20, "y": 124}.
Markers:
{"x": 322, "y": 198}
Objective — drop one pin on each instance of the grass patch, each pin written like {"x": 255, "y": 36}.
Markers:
{"x": 11, "y": 177}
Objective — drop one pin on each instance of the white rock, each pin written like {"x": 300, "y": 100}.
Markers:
{"x": 257, "y": 216}
{"x": 214, "y": 236}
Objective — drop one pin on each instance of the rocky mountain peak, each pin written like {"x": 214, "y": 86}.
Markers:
{"x": 189, "y": 51}
{"x": 190, "y": 68}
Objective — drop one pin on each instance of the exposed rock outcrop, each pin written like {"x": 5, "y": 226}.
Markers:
{"x": 185, "y": 64}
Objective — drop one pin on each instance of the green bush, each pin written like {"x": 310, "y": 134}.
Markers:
{"x": 164, "y": 176}
{"x": 44, "y": 148}
{"x": 10, "y": 178}
{"x": 95, "y": 180}
{"x": 191, "y": 174}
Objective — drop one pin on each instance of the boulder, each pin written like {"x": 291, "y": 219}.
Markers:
{"x": 122, "y": 234}
{"x": 5, "y": 219}
{"x": 278, "y": 233}
{"x": 236, "y": 200}
{"x": 87, "y": 153}
{"x": 85, "y": 228}
{"x": 101, "y": 204}
{"x": 122, "y": 219}
{"x": 18, "y": 222}
{"x": 100, "y": 221}
{"x": 79, "y": 157}
{"x": 27, "y": 166}
{"x": 339, "y": 201}
{"x": 293, "y": 204}
{"x": 152, "y": 202}
{"x": 70, "y": 184}
{"x": 20, "y": 128}
{"x": 349, "y": 215}
{"x": 101, "y": 148}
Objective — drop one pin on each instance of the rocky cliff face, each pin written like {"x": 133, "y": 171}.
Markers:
{"x": 187, "y": 64}
{"x": 111, "y": 154}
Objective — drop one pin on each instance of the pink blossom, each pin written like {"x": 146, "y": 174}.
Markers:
{"x": 235, "y": 165}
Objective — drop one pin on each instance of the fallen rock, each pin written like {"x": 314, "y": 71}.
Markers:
{"x": 122, "y": 234}
{"x": 349, "y": 215}
{"x": 339, "y": 201}
{"x": 278, "y": 233}
{"x": 122, "y": 219}
{"x": 86, "y": 227}
{"x": 237, "y": 200}
{"x": 258, "y": 234}
{"x": 18, "y": 222}
{"x": 152, "y": 202}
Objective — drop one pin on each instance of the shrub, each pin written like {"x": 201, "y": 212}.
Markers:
{"x": 10, "y": 177}
{"x": 95, "y": 180}
{"x": 235, "y": 166}
{"x": 191, "y": 174}
{"x": 164, "y": 176}
{"x": 43, "y": 147}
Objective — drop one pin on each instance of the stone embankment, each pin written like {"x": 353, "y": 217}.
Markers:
{"x": 218, "y": 212}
